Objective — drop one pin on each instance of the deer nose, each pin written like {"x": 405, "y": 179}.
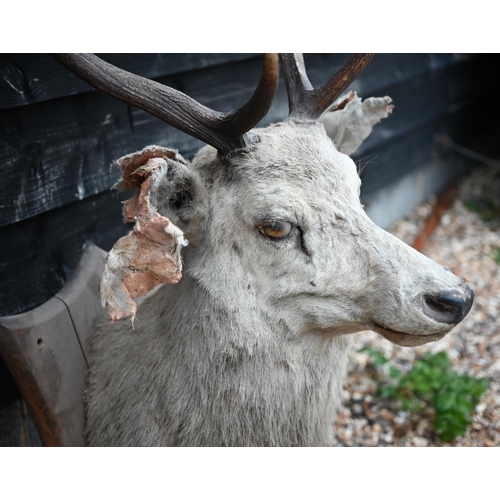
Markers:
{"x": 450, "y": 306}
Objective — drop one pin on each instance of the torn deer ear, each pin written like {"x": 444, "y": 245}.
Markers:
{"x": 176, "y": 190}
{"x": 349, "y": 120}
{"x": 150, "y": 254}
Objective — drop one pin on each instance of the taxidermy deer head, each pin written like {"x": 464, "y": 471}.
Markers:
{"x": 282, "y": 263}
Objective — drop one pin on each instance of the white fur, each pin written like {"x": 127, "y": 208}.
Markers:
{"x": 250, "y": 347}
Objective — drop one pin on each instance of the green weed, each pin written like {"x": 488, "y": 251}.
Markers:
{"x": 432, "y": 382}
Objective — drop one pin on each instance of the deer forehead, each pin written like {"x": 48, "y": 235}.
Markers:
{"x": 294, "y": 167}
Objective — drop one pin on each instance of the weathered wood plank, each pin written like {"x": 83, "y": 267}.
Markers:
{"x": 396, "y": 158}
{"x": 30, "y": 78}
{"x": 57, "y": 152}
{"x": 38, "y": 255}
{"x": 431, "y": 97}
{"x": 386, "y": 70}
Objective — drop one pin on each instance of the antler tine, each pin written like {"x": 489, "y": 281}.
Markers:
{"x": 256, "y": 108}
{"x": 297, "y": 83}
{"x": 227, "y": 132}
{"x": 308, "y": 103}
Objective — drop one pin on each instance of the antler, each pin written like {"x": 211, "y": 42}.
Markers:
{"x": 227, "y": 132}
{"x": 308, "y": 103}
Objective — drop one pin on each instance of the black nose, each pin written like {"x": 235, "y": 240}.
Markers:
{"x": 450, "y": 306}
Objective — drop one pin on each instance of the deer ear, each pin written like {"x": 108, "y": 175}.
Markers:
{"x": 162, "y": 209}
{"x": 175, "y": 190}
{"x": 349, "y": 120}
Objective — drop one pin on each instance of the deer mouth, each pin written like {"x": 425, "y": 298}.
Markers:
{"x": 407, "y": 339}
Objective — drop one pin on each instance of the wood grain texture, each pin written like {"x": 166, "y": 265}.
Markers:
{"x": 60, "y": 151}
{"x": 38, "y": 255}
{"x": 227, "y": 132}
{"x": 30, "y": 78}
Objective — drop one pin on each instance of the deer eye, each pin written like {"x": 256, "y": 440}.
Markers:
{"x": 276, "y": 230}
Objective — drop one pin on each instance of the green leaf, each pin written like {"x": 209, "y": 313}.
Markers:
{"x": 411, "y": 404}
{"x": 445, "y": 400}
{"x": 449, "y": 425}
{"x": 387, "y": 391}
{"x": 379, "y": 359}
{"x": 369, "y": 350}
{"x": 438, "y": 360}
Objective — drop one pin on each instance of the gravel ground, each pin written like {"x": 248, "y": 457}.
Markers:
{"x": 466, "y": 243}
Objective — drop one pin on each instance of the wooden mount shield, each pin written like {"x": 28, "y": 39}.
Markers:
{"x": 46, "y": 350}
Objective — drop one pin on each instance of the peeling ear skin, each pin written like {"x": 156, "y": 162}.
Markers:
{"x": 150, "y": 254}
{"x": 138, "y": 263}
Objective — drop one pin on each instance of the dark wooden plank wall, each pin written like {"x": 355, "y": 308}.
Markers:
{"x": 58, "y": 137}
{"x": 31, "y": 78}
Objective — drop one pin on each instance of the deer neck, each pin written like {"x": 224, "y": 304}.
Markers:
{"x": 249, "y": 377}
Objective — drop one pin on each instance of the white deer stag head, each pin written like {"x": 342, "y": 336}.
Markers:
{"x": 250, "y": 346}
